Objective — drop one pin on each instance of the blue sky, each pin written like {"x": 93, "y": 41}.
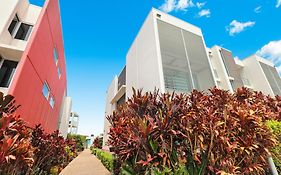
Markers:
{"x": 98, "y": 34}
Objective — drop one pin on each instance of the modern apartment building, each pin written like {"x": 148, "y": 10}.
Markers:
{"x": 170, "y": 55}
{"x": 32, "y": 61}
{"x": 73, "y": 123}
{"x": 252, "y": 72}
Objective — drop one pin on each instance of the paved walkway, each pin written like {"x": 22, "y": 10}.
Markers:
{"x": 85, "y": 164}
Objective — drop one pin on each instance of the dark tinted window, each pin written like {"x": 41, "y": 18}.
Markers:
{"x": 13, "y": 24}
{"x": 23, "y": 31}
{"x": 6, "y": 72}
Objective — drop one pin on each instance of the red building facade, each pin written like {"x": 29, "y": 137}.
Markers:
{"x": 39, "y": 83}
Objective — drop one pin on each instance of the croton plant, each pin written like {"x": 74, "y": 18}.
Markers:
{"x": 216, "y": 132}
{"x": 27, "y": 150}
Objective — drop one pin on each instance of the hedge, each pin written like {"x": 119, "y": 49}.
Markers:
{"x": 105, "y": 157}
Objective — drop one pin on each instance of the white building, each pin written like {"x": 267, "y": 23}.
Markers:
{"x": 73, "y": 123}
{"x": 65, "y": 116}
{"x": 17, "y": 20}
{"x": 170, "y": 55}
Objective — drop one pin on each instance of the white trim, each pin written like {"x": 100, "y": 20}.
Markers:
{"x": 119, "y": 94}
{"x": 209, "y": 61}
{"x": 188, "y": 63}
{"x": 159, "y": 55}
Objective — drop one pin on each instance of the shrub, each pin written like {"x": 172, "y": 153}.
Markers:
{"x": 208, "y": 133}
{"x": 105, "y": 157}
{"x": 80, "y": 141}
{"x": 275, "y": 127}
{"x": 26, "y": 150}
{"x": 98, "y": 142}
{"x": 52, "y": 151}
{"x": 16, "y": 153}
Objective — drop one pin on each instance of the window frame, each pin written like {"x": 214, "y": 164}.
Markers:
{"x": 16, "y": 27}
{"x": 52, "y": 101}
{"x": 11, "y": 77}
{"x": 45, "y": 84}
{"x": 56, "y": 55}
{"x": 59, "y": 72}
{"x": 28, "y": 33}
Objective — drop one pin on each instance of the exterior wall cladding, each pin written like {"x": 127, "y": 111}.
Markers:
{"x": 170, "y": 55}
{"x": 37, "y": 66}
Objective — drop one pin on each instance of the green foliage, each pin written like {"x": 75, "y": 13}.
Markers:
{"x": 275, "y": 127}
{"x": 79, "y": 139}
{"x": 105, "y": 157}
{"x": 206, "y": 133}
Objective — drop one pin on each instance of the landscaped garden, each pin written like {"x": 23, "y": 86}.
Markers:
{"x": 27, "y": 150}
{"x": 197, "y": 133}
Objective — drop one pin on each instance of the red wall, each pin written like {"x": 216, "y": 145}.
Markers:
{"x": 37, "y": 65}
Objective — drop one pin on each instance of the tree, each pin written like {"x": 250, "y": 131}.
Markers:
{"x": 79, "y": 139}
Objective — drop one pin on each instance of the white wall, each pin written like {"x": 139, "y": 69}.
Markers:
{"x": 65, "y": 115}
{"x": 258, "y": 79}
{"x": 26, "y": 12}
{"x": 109, "y": 108}
{"x": 74, "y": 123}
{"x": 217, "y": 62}
{"x": 143, "y": 61}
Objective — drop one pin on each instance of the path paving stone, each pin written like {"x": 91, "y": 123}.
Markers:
{"x": 85, "y": 164}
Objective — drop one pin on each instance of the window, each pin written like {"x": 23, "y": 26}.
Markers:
{"x": 7, "y": 72}
{"x": 23, "y": 31}
{"x": 56, "y": 56}
{"x": 13, "y": 25}
{"x": 52, "y": 101}
{"x": 59, "y": 72}
{"x": 46, "y": 90}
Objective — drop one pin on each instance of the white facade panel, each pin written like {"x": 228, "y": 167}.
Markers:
{"x": 109, "y": 107}
{"x": 65, "y": 115}
{"x": 258, "y": 79}
{"x": 26, "y": 12}
{"x": 220, "y": 69}
{"x": 176, "y": 22}
{"x": 143, "y": 61}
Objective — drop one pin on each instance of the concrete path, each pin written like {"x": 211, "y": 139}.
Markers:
{"x": 85, "y": 164}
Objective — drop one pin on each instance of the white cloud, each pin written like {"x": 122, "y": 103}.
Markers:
{"x": 171, "y": 5}
{"x": 236, "y": 57}
{"x": 257, "y": 9}
{"x": 236, "y": 27}
{"x": 272, "y": 52}
{"x": 168, "y": 6}
{"x": 205, "y": 12}
{"x": 278, "y": 3}
{"x": 200, "y": 4}
{"x": 184, "y": 4}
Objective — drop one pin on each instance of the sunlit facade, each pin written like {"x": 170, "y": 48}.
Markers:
{"x": 170, "y": 55}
